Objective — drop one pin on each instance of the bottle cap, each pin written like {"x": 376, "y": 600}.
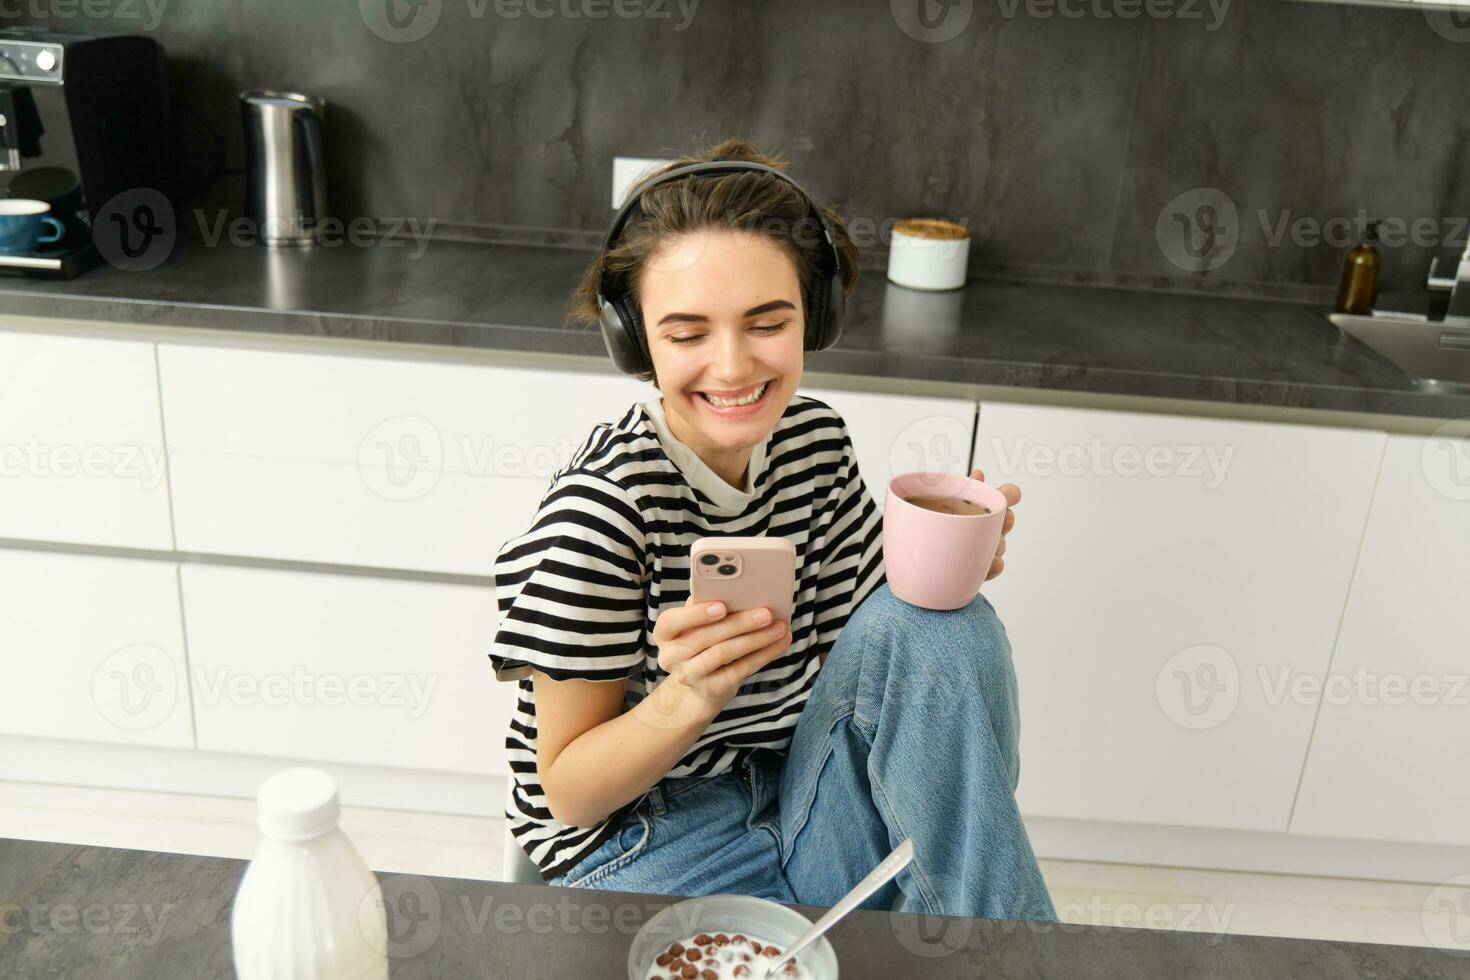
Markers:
{"x": 297, "y": 804}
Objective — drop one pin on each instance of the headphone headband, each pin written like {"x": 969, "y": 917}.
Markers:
{"x": 621, "y": 331}
{"x": 710, "y": 168}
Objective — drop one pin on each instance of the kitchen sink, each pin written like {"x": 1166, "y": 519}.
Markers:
{"x": 1435, "y": 353}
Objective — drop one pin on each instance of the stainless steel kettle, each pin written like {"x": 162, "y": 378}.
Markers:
{"x": 286, "y": 183}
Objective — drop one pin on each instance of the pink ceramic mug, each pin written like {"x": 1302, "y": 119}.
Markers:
{"x": 933, "y": 559}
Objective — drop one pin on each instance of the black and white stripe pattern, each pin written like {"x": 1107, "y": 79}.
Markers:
{"x": 609, "y": 547}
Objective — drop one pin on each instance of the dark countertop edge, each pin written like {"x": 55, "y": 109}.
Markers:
{"x": 1407, "y": 408}
{"x": 207, "y": 884}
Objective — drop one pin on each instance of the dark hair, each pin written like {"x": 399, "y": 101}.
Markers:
{"x": 756, "y": 202}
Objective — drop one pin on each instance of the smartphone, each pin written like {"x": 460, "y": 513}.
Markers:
{"x": 744, "y": 573}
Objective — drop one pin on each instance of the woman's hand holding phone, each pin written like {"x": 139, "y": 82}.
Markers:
{"x": 709, "y": 655}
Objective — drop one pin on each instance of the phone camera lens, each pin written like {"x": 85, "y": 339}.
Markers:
{"x": 708, "y": 559}
{"x": 727, "y": 569}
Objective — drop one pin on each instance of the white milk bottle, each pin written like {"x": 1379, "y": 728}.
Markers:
{"x": 308, "y": 908}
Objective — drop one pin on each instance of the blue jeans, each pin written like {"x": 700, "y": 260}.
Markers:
{"x": 911, "y": 731}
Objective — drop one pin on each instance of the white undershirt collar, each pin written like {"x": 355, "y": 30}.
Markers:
{"x": 697, "y": 471}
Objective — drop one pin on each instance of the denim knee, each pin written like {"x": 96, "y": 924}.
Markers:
{"x": 945, "y": 646}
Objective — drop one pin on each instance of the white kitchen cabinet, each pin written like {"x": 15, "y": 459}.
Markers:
{"x": 1165, "y": 577}
{"x": 1389, "y": 758}
{"x": 92, "y": 648}
{"x": 81, "y": 451}
{"x": 895, "y": 434}
{"x": 368, "y": 461}
{"x": 345, "y": 668}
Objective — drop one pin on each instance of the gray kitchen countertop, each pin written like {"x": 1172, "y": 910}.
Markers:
{"x": 994, "y": 332}
{"x": 77, "y": 911}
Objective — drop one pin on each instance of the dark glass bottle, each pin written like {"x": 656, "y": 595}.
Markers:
{"x": 1359, "y": 288}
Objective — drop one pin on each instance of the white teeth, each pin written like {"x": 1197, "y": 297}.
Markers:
{"x": 749, "y": 399}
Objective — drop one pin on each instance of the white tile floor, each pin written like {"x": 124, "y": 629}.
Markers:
{"x": 469, "y": 847}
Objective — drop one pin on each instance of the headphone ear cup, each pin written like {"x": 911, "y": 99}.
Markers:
{"x": 637, "y": 340}
{"x": 835, "y": 307}
{"x": 816, "y": 318}
{"x": 825, "y": 324}
{"x": 617, "y": 337}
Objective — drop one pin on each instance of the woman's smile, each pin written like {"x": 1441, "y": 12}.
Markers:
{"x": 741, "y": 403}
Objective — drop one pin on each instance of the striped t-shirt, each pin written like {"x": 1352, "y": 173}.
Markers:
{"x": 579, "y": 591}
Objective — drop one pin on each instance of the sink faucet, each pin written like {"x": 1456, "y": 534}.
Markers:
{"x": 1449, "y": 298}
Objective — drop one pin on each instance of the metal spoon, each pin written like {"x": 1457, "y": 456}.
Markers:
{"x": 877, "y": 878}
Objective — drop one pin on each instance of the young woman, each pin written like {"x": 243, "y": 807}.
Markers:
{"x": 667, "y": 748}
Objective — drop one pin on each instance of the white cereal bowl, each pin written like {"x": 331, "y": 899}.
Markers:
{"x": 758, "y": 918}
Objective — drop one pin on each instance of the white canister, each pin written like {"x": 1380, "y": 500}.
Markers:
{"x": 928, "y": 253}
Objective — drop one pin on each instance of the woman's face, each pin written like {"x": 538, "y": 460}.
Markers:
{"x": 724, "y": 316}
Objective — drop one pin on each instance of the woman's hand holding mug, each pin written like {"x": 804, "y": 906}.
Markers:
{"x": 1012, "y": 493}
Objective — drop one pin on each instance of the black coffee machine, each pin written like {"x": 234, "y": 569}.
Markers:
{"x": 83, "y": 118}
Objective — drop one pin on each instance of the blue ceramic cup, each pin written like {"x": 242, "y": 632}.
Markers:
{"x": 25, "y": 224}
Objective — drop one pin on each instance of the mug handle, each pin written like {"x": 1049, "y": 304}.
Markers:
{"x": 58, "y": 233}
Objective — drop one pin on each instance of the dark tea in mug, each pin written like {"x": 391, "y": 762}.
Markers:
{"x": 948, "y": 505}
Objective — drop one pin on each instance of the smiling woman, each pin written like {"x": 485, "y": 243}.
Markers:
{"x": 727, "y": 359}
{"x": 729, "y": 272}
{"x": 666, "y": 747}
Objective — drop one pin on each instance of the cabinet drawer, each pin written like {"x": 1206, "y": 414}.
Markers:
{"x": 1164, "y": 574}
{"x": 345, "y": 668}
{"x": 303, "y": 511}
{"x": 81, "y": 450}
{"x": 1388, "y": 757}
{"x": 92, "y": 649}
{"x": 356, "y": 460}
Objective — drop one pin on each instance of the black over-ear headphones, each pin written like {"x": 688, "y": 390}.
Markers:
{"x": 622, "y": 328}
